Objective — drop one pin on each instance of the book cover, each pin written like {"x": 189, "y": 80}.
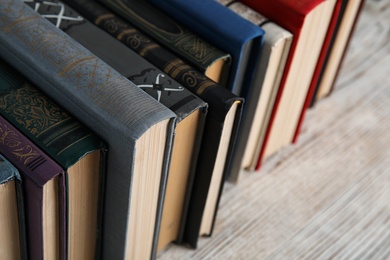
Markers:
{"x": 37, "y": 170}
{"x": 128, "y": 120}
{"x": 12, "y": 218}
{"x": 195, "y": 50}
{"x": 190, "y": 110}
{"x": 69, "y": 143}
{"x": 223, "y": 28}
{"x": 277, "y": 42}
{"x": 221, "y": 103}
{"x": 308, "y": 21}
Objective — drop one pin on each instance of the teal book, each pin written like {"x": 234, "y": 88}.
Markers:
{"x": 77, "y": 150}
{"x": 12, "y": 217}
{"x": 137, "y": 129}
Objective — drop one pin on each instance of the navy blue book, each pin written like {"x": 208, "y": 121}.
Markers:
{"x": 224, "y": 29}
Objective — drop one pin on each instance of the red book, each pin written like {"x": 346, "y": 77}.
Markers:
{"x": 308, "y": 21}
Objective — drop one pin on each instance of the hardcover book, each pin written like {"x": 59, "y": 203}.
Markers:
{"x": 190, "y": 110}
{"x": 308, "y": 21}
{"x": 44, "y": 190}
{"x": 137, "y": 128}
{"x": 344, "y": 29}
{"x": 322, "y": 60}
{"x": 277, "y": 42}
{"x": 223, "y": 28}
{"x": 75, "y": 148}
{"x": 12, "y": 218}
{"x": 196, "y": 51}
{"x": 221, "y": 122}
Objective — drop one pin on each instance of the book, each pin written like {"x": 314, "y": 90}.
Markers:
{"x": 44, "y": 193}
{"x": 221, "y": 123}
{"x": 12, "y": 218}
{"x": 224, "y": 29}
{"x": 190, "y": 110}
{"x": 308, "y": 21}
{"x": 136, "y": 128}
{"x": 195, "y": 50}
{"x": 79, "y": 152}
{"x": 277, "y": 42}
{"x": 322, "y": 59}
{"x": 338, "y": 47}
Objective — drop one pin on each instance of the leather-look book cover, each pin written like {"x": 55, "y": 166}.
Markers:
{"x": 102, "y": 99}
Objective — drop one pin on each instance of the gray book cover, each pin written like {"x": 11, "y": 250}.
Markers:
{"x": 96, "y": 94}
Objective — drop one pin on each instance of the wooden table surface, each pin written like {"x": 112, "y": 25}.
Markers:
{"x": 328, "y": 195}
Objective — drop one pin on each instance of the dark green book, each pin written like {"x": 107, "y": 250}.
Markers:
{"x": 75, "y": 148}
{"x": 221, "y": 124}
{"x": 12, "y": 217}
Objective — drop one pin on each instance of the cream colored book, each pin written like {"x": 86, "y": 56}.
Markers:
{"x": 275, "y": 50}
{"x": 337, "y": 51}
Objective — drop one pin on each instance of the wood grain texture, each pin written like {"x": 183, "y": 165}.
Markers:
{"x": 327, "y": 196}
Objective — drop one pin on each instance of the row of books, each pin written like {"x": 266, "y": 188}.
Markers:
{"x": 122, "y": 119}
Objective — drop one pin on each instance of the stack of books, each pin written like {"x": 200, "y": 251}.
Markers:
{"x": 121, "y": 120}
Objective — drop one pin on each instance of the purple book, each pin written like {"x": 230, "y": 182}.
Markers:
{"x": 44, "y": 191}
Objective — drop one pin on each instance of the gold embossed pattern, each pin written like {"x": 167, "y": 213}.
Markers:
{"x": 23, "y": 152}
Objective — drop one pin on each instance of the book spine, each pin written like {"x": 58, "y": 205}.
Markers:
{"x": 36, "y": 168}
